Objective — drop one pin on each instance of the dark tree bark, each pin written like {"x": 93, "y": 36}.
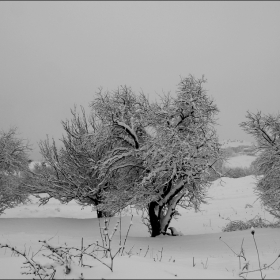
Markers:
{"x": 102, "y": 214}
{"x": 154, "y": 220}
{"x": 161, "y": 216}
{"x": 159, "y": 221}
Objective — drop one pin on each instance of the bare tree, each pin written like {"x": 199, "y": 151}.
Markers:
{"x": 266, "y": 131}
{"x": 13, "y": 162}
{"x": 158, "y": 171}
{"x": 70, "y": 171}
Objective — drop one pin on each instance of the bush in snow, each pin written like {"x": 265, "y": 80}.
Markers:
{"x": 256, "y": 222}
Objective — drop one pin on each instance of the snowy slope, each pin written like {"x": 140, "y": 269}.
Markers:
{"x": 228, "y": 200}
{"x": 198, "y": 254}
{"x": 240, "y": 161}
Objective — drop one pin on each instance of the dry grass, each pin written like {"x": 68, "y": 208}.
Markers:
{"x": 256, "y": 222}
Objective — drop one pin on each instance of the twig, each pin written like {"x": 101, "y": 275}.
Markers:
{"x": 36, "y": 266}
{"x": 266, "y": 267}
{"x": 146, "y": 251}
{"x": 241, "y": 254}
{"x": 82, "y": 247}
{"x": 253, "y": 234}
{"x": 120, "y": 244}
{"x": 100, "y": 231}
{"x": 129, "y": 252}
{"x": 161, "y": 254}
{"x": 205, "y": 266}
{"x": 127, "y": 234}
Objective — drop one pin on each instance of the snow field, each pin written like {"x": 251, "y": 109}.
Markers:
{"x": 166, "y": 256}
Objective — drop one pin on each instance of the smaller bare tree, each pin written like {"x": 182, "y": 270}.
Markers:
{"x": 70, "y": 171}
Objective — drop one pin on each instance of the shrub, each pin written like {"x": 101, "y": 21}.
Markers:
{"x": 256, "y": 222}
{"x": 64, "y": 258}
{"x": 13, "y": 161}
{"x": 266, "y": 131}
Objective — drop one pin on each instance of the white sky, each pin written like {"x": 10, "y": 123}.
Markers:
{"x": 56, "y": 54}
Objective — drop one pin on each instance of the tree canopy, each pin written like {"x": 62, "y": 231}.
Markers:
{"x": 13, "y": 162}
{"x": 266, "y": 131}
{"x": 153, "y": 156}
{"x": 69, "y": 172}
{"x": 160, "y": 170}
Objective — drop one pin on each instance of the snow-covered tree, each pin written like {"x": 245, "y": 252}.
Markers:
{"x": 266, "y": 131}
{"x": 69, "y": 172}
{"x": 124, "y": 115}
{"x": 165, "y": 152}
{"x": 13, "y": 162}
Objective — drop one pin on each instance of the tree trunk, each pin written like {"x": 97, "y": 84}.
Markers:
{"x": 97, "y": 200}
{"x": 103, "y": 214}
{"x": 160, "y": 219}
{"x": 100, "y": 214}
{"x": 154, "y": 219}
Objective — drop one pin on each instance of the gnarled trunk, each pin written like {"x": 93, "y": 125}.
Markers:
{"x": 159, "y": 221}
{"x": 161, "y": 216}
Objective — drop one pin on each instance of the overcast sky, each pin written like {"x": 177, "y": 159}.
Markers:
{"x": 57, "y": 54}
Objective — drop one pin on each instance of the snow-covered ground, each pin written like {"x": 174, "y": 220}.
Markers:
{"x": 199, "y": 253}
{"x": 240, "y": 159}
{"x": 230, "y": 199}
